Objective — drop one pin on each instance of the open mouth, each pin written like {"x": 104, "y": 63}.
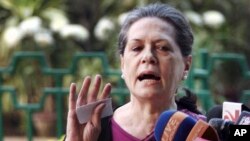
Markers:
{"x": 148, "y": 77}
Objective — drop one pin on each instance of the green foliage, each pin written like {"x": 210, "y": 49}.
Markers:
{"x": 27, "y": 8}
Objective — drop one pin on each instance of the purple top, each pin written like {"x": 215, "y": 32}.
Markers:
{"x": 118, "y": 133}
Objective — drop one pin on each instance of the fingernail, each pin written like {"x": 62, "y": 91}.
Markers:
{"x": 98, "y": 76}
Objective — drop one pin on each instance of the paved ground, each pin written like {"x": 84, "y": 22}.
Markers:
{"x": 25, "y": 139}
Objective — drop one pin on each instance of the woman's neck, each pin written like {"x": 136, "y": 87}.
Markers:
{"x": 138, "y": 118}
{"x": 151, "y": 106}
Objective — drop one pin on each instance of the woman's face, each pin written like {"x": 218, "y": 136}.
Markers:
{"x": 152, "y": 63}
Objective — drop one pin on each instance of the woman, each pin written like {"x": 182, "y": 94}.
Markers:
{"x": 155, "y": 44}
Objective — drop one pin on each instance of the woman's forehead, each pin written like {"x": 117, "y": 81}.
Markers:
{"x": 152, "y": 27}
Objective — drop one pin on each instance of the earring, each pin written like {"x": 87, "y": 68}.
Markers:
{"x": 122, "y": 76}
{"x": 185, "y": 75}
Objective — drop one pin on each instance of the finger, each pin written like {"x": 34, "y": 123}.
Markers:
{"x": 72, "y": 101}
{"x": 95, "y": 89}
{"x": 106, "y": 91}
{"x": 81, "y": 100}
{"x": 72, "y": 122}
{"x": 96, "y": 115}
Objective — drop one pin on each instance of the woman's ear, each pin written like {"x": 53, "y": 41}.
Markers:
{"x": 188, "y": 62}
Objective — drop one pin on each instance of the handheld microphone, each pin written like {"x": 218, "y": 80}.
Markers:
{"x": 215, "y": 112}
{"x": 200, "y": 139}
{"x": 178, "y": 126}
{"x": 203, "y": 130}
{"x": 226, "y": 117}
{"x": 173, "y": 125}
{"x": 222, "y": 127}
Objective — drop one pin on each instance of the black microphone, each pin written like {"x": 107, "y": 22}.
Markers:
{"x": 231, "y": 114}
{"x": 215, "y": 112}
{"x": 222, "y": 127}
{"x": 244, "y": 118}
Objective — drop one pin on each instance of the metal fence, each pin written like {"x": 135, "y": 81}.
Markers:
{"x": 119, "y": 92}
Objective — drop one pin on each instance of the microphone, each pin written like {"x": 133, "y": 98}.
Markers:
{"x": 177, "y": 126}
{"x": 222, "y": 127}
{"x": 215, "y": 112}
{"x": 226, "y": 117}
{"x": 168, "y": 126}
{"x": 232, "y": 111}
{"x": 244, "y": 118}
{"x": 200, "y": 139}
{"x": 202, "y": 130}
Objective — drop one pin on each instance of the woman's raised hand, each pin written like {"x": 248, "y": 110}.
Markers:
{"x": 90, "y": 130}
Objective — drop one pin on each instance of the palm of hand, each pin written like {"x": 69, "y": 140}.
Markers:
{"x": 90, "y": 130}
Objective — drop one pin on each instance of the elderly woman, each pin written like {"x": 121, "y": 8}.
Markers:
{"x": 155, "y": 45}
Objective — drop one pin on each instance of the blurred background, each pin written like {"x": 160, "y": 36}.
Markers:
{"x": 47, "y": 44}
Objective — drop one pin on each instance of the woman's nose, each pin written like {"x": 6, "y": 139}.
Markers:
{"x": 149, "y": 57}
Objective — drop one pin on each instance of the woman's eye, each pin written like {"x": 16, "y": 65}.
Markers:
{"x": 137, "y": 48}
{"x": 163, "y": 48}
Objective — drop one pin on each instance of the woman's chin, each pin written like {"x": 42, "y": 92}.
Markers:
{"x": 149, "y": 93}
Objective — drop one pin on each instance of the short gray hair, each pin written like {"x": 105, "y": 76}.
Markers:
{"x": 184, "y": 36}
